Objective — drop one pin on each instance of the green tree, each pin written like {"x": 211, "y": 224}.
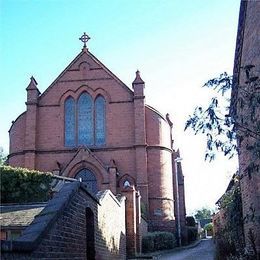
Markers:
{"x": 209, "y": 227}
{"x": 203, "y": 213}
{"x": 231, "y": 128}
{"x": 3, "y": 157}
{"x": 225, "y": 131}
{"x": 19, "y": 185}
{"x": 229, "y": 239}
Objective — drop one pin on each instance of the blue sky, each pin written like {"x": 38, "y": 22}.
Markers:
{"x": 177, "y": 46}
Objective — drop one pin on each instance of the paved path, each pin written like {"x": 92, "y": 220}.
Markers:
{"x": 204, "y": 251}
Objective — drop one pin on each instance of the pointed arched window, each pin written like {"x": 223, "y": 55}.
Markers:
{"x": 89, "y": 179}
{"x": 85, "y": 120}
{"x": 100, "y": 135}
{"x": 70, "y": 124}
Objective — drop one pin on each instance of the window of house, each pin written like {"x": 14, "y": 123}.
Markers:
{"x": 14, "y": 234}
{"x": 85, "y": 121}
{"x": 10, "y": 234}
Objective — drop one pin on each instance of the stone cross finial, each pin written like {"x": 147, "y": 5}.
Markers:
{"x": 84, "y": 38}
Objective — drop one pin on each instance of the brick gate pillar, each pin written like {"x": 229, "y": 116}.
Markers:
{"x": 132, "y": 223}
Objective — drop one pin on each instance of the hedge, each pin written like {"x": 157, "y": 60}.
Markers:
{"x": 158, "y": 241}
{"x": 190, "y": 221}
{"x": 192, "y": 233}
{"x": 19, "y": 185}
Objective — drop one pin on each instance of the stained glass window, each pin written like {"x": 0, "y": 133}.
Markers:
{"x": 85, "y": 123}
{"x": 70, "y": 122}
{"x": 89, "y": 179}
{"x": 85, "y": 120}
{"x": 100, "y": 134}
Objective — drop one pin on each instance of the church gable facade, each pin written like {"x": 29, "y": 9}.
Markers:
{"x": 89, "y": 125}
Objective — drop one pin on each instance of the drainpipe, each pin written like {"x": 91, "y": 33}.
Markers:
{"x": 176, "y": 161}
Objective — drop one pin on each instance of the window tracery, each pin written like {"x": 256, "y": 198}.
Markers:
{"x": 85, "y": 121}
{"x": 89, "y": 179}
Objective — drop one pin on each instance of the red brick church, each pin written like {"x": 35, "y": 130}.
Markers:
{"x": 89, "y": 125}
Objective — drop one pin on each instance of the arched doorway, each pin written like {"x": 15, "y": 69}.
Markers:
{"x": 89, "y": 179}
{"x": 90, "y": 234}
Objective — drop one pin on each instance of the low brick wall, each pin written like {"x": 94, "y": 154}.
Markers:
{"x": 60, "y": 230}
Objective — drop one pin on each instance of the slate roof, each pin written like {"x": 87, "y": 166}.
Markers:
{"x": 19, "y": 215}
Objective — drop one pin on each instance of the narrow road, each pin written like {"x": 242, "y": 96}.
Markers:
{"x": 204, "y": 251}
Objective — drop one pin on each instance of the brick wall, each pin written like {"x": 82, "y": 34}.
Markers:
{"x": 248, "y": 53}
{"x": 60, "y": 230}
{"x": 17, "y": 134}
{"x": 219, "y": 221}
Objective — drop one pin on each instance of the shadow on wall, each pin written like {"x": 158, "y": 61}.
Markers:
{"x": 111, "y": 251}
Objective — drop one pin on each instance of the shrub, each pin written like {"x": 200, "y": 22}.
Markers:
{"x": 208, "y": 227}
{"x": 143, "y": 210}
{"x": 224, "y": 248}
{"x": 230, "y": 236}
{"x": 158, "y": 241}
{"x": 20, "y": 185}
{"x": 190, "y": 221}
{"x": 148, "y": 243}
{"x": 192, "y": 234}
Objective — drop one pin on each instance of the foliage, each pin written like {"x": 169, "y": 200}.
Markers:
{"x": 148, "y": 243}
{"x": 190, "y": 221}
{"x": 143, "y": 210}
{"x": 226, "y": 131}
{"x": 192, "y": 234}
{"x": 209, "y": 227}
{"x": 3, "y": 158}
{"x": 20, "y": 185}
{"x": 226, "y": 250}
{"x": 229, "y": 240}
{"x": 203, "y": 213}
{"x": 224, "y": 247}
{"x": 214, "y": 121}
{"x": 231, "y": 128}
{"x": 192, "y": 229}
{"x": 158, "y": 241}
